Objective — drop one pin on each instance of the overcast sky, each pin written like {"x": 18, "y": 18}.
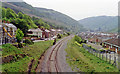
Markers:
{"x": 79, "y": 9}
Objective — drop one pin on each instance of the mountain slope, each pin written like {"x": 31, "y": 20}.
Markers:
{"x": 115, "y": 30}
{"x": 48, "y": 15}
{"x": 100, "y": 23}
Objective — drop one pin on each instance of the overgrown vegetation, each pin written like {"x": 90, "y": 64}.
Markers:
{"x": 9, "y": 49}
{"x": 33, "y": 51}
{"x": 81, "y": 60}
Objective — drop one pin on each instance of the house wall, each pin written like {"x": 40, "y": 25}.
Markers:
{"x": 107, "y": 46}
{"x": 47, "y": 34}
{"x": 118, "y": 52}
{"x": 53, "y": 33}
{"x": 112, "y": 49}
{"x": 43, "y": 34}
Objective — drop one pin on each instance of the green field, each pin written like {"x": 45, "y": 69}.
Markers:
{"x": 82, "y": 61}
{"x": 32, "y": 51}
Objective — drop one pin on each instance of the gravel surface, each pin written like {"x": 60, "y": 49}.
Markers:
{"x": 61, "y": 58}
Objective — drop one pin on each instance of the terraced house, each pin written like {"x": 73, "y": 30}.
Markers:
{"x": 35, "y": 32}
{"x": 7, "y": 33}
{"x": 113, "y": 45}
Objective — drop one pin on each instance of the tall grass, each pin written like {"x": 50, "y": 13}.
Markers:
{"x": 32, "y": 51}
{"x": 82, "y": 61}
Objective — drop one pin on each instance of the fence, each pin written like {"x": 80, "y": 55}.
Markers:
{"x": 110, "y": 58}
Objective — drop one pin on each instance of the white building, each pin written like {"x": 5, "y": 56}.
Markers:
{"x": 35, "y": 32}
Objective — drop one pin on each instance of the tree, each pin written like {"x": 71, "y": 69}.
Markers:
{"x": 3, "y": 12}
{"x": 10, "y": 14}
{"x": 19, "y": 35}
{"x": 21, "y": 24}
{"x": 20, "y": 15}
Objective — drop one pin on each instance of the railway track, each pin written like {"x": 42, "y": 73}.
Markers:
{"x": 50, "y": 60}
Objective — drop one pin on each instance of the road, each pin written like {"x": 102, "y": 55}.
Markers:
{"x": 54, "y": 60}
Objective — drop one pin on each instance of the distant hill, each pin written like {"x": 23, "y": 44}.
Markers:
{"x": 48, "y": 15}
{"x": 115, "y": 30}
{"x": 100, "y": 23}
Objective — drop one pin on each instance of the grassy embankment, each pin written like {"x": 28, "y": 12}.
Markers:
{"x": 81, "y": 60}
{"x": 0, "y": 56}
{"x": 20, "y": 64}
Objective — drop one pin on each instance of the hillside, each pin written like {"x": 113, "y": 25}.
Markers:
{"x": 23, "y": 21}
{"x": 100, "y": 23}
{"x": 115, "y": 30}
{"x": 47, "y": 15}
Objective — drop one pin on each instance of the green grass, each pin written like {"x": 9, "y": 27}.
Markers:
{"x": 33, "y": 51}
{"x": 0, "y": 46}
{"x": 18, "y": 66}
{"x": 36, "y": 50}
{"x": 81, "y": 60}
{"x": 9, "y": 49}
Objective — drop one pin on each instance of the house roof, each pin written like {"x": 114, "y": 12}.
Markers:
{"x": 47, "y": 30}
{"x": 10, "y": 25}
{"x": 53, "y": 30}
{"x": 59, "y": 30}
{"x": 114, "y": 41}
{"x": 35, "y": 30}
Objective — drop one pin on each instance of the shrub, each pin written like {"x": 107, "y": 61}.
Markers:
{"x": 78, "y": 39}
{"x": 59, "y": 36}
{"x": 81, "y": 45}
{"x": 28, "y": 41}
{"x": 20, "y": 45}
{"x": 68, "y": 33}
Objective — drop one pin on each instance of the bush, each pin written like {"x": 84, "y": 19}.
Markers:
{"x": 59, "y": 36}
{"x": 20, "y": 45}
{"x": 68, "y": 33}
{"x": 78, "y": 39}
{"x": 28, "y": 41}
{"x": 81, "y": 45}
